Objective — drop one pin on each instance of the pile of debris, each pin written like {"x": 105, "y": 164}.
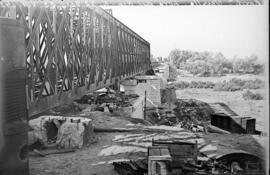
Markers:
{"x": 192, "y": 113}
{"x": 183, "y": 157}
{"x": 161, "y": 116}
{"x": 138, "y": 167}
{"x": 61, "y": 132}
{"x": 107, "y": 99}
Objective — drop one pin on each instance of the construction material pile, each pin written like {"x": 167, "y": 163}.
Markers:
{"x": 178, "y": 156}
{"x": 107, "y": 98}
{"x": 161, "y": 116}
{"x": 192, "y": 112}
{"x": 63, "y": 132}
{"x": 138, "y": 167}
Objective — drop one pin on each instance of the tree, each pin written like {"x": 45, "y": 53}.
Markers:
{"x": 219, "y": 64}
{"x": 152, "y": 59}
{"x": 174, "y": 57}
{"x": 208, "y": 62}
{"x": 247, "y": 65}
{"x": 238, "y": 65}
{"x": 178, "y": 57}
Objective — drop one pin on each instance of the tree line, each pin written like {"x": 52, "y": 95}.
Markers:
{"x": 209, "y": 63}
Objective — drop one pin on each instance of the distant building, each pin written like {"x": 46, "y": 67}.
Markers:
{"x": 150, "y": 84}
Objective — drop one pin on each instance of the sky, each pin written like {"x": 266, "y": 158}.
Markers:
{"x": 233, "y": 30}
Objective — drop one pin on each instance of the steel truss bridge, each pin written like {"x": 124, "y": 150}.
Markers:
{"x": 72, "y": 49}
{"x": 52, "y": 52}
{"x": 75, "y": 48}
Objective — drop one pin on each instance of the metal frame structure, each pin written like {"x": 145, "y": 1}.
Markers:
{"x": 73, "y": 49}
{"x": 162, "y": 2}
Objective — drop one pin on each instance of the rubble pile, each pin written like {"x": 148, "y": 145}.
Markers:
{"x": 191, "y": 113}
{"x": 191, "y": 157}
{"x": 138, "y": 167}
{"x": 161, "y": 116}
{"x": 211, "y": 166}
{"x": 187, "y": 113}
{"x": 107, "y": 99}
{"x": 63, "y": 132}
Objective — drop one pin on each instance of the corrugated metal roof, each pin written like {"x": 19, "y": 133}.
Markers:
{"x": 221, "y": 108}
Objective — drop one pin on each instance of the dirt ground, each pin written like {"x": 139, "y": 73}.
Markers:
{"x": 86, "y": 160}
{"x": 82, "y": 162}
{"x": 95, "y": 160}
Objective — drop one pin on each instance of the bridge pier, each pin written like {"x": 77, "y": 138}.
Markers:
{"x": 13, "y": 117}
{"x": 53, "y": 56}
{"x": 116, "y": 85}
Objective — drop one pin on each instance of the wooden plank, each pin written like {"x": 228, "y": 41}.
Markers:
{"x": 154, "y": 152}
{"x": 164, "y": 151}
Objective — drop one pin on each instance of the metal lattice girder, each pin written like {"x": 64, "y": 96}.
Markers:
{"x": 162, "y": 2}
{"x": 72, "y": 49}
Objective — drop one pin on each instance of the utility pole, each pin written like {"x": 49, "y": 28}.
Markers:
{"x": 144, "y": 112}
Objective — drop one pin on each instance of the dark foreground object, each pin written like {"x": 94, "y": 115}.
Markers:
{"x": 13, "y": 121}
{"x": 226, "y": 119}
{"x": 138, "y": 167}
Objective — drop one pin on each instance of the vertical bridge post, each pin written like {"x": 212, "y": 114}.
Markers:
{"x": 13, "y": 108}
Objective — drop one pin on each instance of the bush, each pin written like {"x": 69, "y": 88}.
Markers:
{"x": 209, "y": 84}
{"x": 248, "y": 95}
{"x": 227, "y": 86}
{"x": 182, "y": 84}
{"x": 254, "y": 84}
{"x": 236, "y": 84}
{"x": 195, "y": 84}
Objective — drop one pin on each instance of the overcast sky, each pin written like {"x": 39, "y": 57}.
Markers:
{"x": 232, "y": 30}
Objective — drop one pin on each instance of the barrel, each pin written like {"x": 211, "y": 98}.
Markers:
{"x": 13, "y": 108}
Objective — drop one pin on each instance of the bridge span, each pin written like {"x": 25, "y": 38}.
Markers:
{"x": 71, "y": 49}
